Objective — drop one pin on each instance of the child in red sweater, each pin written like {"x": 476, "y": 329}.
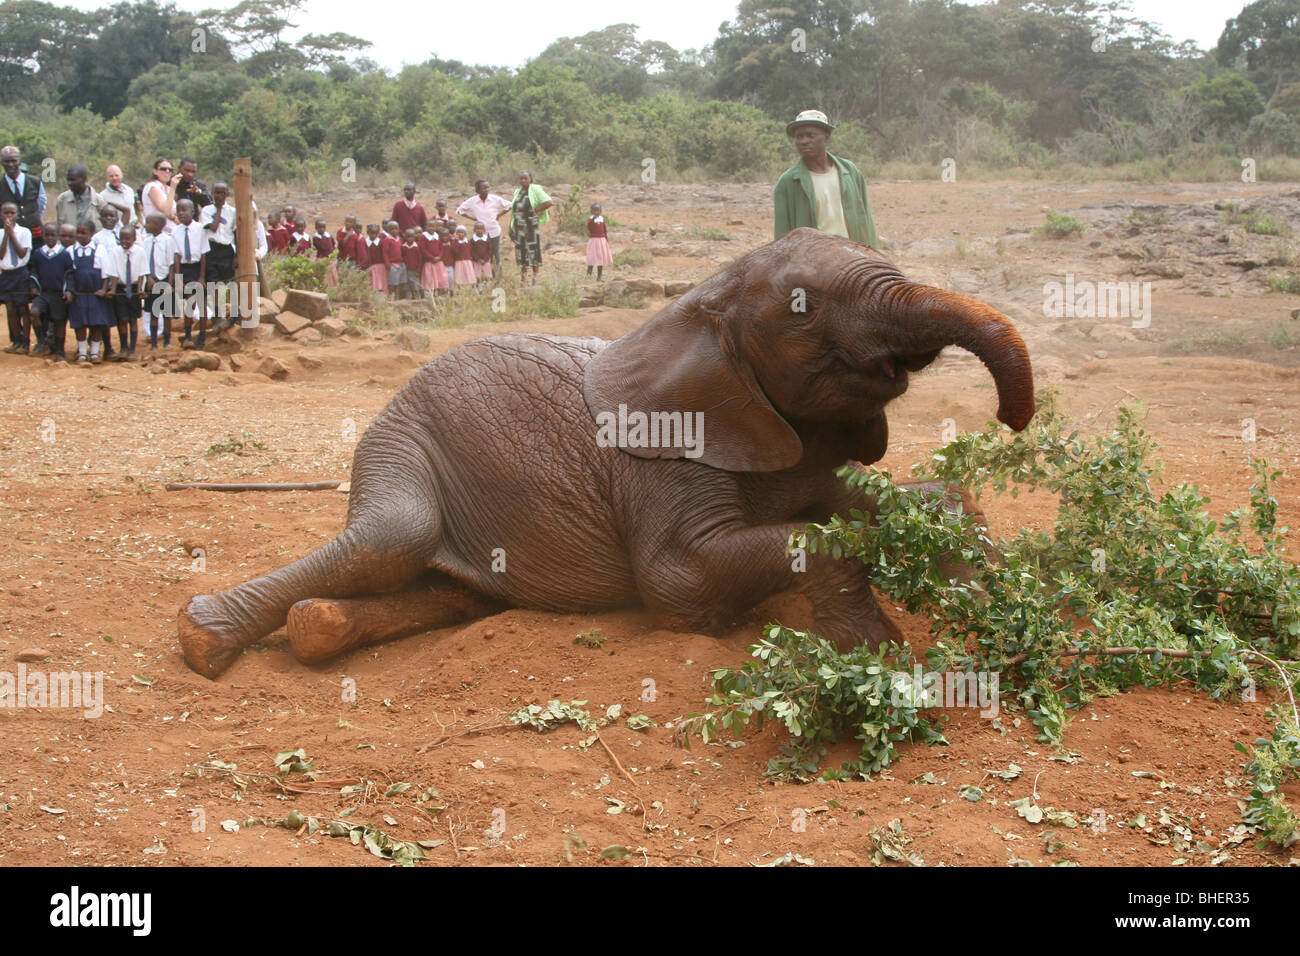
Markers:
{"x": 433, "y": 278}
{"x": 413, "y": 261}
{"x": 373, "y": 250}
{"x": 480, "y": 252}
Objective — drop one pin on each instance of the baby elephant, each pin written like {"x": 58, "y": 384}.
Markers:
{"x": 667, "y": 467}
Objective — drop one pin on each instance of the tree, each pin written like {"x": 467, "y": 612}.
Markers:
{"x": 1266, "y": 36}
{"x": 135, "y": 38}
{"x": 262, "y": 46}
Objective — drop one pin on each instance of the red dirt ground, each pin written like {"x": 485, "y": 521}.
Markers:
{"x": 100, "y": 559}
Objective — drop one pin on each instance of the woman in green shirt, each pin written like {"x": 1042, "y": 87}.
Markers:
{"x": 528, "y": 211}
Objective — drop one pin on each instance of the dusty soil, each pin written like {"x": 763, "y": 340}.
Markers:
{"x": 101, "y": 557}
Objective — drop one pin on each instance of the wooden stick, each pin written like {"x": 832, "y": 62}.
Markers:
{"x": 246, "y": 238}
{"x": 263, "y": 486}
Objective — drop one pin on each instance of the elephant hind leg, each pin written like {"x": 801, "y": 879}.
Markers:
{"x": 367, "y": 557}
{"x": 320, "y": 628}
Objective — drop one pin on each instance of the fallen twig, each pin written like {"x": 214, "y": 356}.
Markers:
{"x": 254, "y": 486}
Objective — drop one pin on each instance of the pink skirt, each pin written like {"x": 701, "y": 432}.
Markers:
{"x": 379, "y": 277}
{"x": 598, "y": 252}
{"x": 464, "y": 272}
{"x": 433, "y": 276}
{"x": 332, "y": 273}
{"x": 483, "y": 270}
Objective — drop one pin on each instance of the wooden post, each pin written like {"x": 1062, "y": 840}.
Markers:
{"x": 246, "y": 244}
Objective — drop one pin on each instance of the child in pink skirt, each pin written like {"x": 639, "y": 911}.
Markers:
{"x": 373, "y": 250}
{"x": 461, "y": 258}
{"x": 433, "y": 277}
{"x": 481, "y": 254}
{"x": 598, "y": 253}
{"x": 323, "y": 245}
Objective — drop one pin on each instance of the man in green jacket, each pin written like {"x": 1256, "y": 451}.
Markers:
{"x": 821, "y": 190}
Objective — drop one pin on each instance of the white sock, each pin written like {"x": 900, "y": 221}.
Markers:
{"x": 81, "y": 349}
{"x": 94, "y": 348}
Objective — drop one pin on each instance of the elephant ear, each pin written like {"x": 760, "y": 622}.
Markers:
{"x": 874, "y": 439}
{"x": 679, "y": 362}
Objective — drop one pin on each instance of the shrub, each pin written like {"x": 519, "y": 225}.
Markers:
{"x": 1060, "y": 226}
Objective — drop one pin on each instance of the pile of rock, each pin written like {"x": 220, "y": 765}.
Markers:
{"x": 301, "y": 315}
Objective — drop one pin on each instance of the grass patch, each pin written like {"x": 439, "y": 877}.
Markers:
{"x": 1290, "y": 282}
{"x": 633, "y": 258}
{"x": 1252, "y": 220}
{"x": 711, "y": 233}
{"x": 1060, "y": 226}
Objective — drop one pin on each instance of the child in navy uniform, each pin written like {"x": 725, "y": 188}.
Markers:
{"x": 50, "y": 264}
{"x": 15, "y": 278}
{"x": 191, "y": 242}
{"x": 88, "y": 288}
{"x": 158, "y": 253}
{"x": 132, "y": 264}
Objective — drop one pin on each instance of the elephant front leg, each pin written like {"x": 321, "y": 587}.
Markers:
{"x": 705, "y": 583}
{"x": 320, "y": 628}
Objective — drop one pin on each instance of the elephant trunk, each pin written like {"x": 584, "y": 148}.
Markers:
{"x": 921, "y": 318}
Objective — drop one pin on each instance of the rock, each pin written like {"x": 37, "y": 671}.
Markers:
{"x": 358, "y": 332}
{"x": 30, "y": 654}
{"x": 314, "y": 305}
{"x": 330, "y": 327}
{"x": 1101, "y": 354}
{"x": 645, "y": 287}
{"x": 189, "y": 361}
{"x": 267, "y": 309}
{"x": 411, "y": 339}
{"x": 1295, "y": 313}
{"x": 936, "y": 246}
{"x": 236, "y": 363}
{"x": 272, "y": 367}
{"x": 406, "y": 358}
{"x": 288, "y": 323}
{"x": 309, "y": 361}
{"x": 615, "y": 288}
{"x": 158, "y": 369}
{"x": 678, "y": 287}
{"x": 307, "y": 335}
{"x": 260, "y": 331}
{"x": 278, "y": 297}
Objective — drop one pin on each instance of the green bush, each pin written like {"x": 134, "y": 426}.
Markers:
{"x": 1059, "y": 226}
{"x": 1129, "y": 587}
{"x": 633, "y": 258}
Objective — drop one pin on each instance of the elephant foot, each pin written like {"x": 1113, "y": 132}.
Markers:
{"x": 866, "y": 624}
{"x": 208, "y": 647}
{"x": 320, "y": 628}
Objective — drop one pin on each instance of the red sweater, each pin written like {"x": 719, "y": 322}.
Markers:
{"x": 480, "y": 250}
{"x": 409, "y": 217}
{"x": 392, "y": 250}
{"x": 448, "y": 253}
{"x": 411, "y": 256}
{"x": 430, "y": 249}
{"x": 277, "y": 240}
{"x": 596, "y": 230}
{"x": 461, "y": 251}
{"x": 374, "y": 253}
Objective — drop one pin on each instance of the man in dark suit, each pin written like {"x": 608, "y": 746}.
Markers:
{"x": 27, "y": 192}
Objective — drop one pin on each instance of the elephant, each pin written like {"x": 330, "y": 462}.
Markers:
{"x": 521, "y": 470}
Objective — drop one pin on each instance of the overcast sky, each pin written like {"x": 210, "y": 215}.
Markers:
{"x": 509, "y": 32}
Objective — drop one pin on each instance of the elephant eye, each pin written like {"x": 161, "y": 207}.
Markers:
{"x": 804, "y": 304}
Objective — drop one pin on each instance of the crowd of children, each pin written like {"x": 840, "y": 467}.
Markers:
{"x": 96, "y": 280}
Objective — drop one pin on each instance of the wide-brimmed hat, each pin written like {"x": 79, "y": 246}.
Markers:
{"x": 809, "y": 118}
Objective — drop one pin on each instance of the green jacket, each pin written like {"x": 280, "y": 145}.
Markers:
{"x": 796, "y": 206}
{"x": 536, "y": 196}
